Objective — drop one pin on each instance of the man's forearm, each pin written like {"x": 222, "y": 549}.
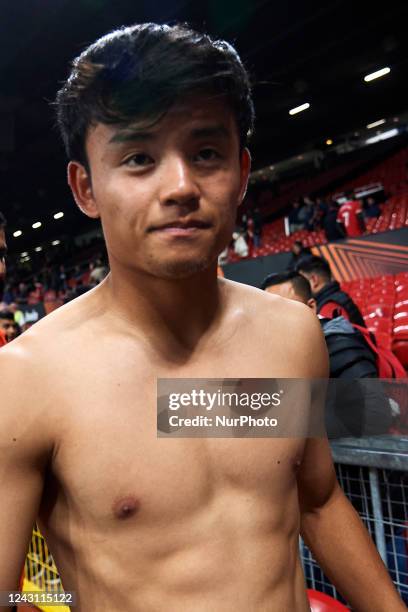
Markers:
{"x": 344, "y": 550}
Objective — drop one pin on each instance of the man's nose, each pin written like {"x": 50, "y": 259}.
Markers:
{"x": 178, "y": 183}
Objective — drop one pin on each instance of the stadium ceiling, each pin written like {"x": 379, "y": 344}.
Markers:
{"x": 297, "y": 52}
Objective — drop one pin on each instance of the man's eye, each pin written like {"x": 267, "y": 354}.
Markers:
{"x": 208, "y": 155}
{"x": 139, "y": 159}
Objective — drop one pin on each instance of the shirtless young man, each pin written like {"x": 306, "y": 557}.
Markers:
{"x": 155, "y": 121}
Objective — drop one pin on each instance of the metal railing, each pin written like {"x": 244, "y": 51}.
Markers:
{"x": 374, "y": 476}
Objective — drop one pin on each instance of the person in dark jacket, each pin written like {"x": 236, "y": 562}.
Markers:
{"x": 332, "y": 229}
{"x": 331, "y": 300}
{"x": 354, "y": 407}
{"x": 298, "y": 251}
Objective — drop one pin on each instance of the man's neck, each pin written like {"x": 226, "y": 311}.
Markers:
{"x": 167, "y": 313}
{"x": 323, "y": 285}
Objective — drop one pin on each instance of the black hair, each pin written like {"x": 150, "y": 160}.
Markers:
{"x": 3, "y": 221}
{"x": 138, "y": 73}
{"x": 299, "y": 283}
{"x": 7, "y": 314}
{"x": 312, "y": 264}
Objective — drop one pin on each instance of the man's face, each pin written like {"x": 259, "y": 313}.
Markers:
{"x": 9, "y": 329}
{"x": 167, "y": 195}
{"x": 315, "y": 281}
{"x": 3, "y": 251}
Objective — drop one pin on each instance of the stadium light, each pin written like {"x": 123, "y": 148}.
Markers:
{"x": 329, "y": 142}
{"x": 38, "y": 249}
{"x": 58, "y": 215}
{"x": 55, "y": 242}
{"x": 299, "y": 109}
{"x": 377, "y": 74}
{"x": 17, "y": 233}
{"x": 24, "y": 254}
{"x": 383, "y": 136}
{"x": 375, "y": 124}
{"x": 36, "y": 225}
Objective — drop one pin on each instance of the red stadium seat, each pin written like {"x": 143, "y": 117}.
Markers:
{"x": 379, "y": 310}
{"x": 320, "y": 602}
{"x": 400, "y": 349}
{"x": 379, "y": 325}
{"x": 381, "y": 298}
{"x": 402, "y": 291}
{"x": 400, "y": 324}
{"x": 400, "y": 314}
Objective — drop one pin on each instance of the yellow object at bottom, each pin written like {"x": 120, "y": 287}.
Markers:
{"x": 40, "y": 572}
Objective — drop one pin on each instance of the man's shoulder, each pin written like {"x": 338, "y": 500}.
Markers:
{"x": 38, "y": 348}
{"x": 287, "y": 333}
{"x": 26, "y": 405}
{"x": 272, "y": 312}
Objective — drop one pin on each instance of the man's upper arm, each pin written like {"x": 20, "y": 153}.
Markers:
{"x": 316, "y": 477}
{"x": 25, "y": 448}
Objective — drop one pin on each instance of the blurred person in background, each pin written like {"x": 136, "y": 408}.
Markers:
{"x": 322, "y": 208}
{"x": 350, "y": 216}
{"x": 243, "y": 226}
{"x": 332, "y": 229}
{"x": 352, "y": 410}
{"x": 22, "y": 293}
{"x": 62, "y": 278}
{"x": 298, "y": 251}
{"x": 331, "y": 300}
{"x": 310, "y": 214}
{"x": 98, "y": 272}
{"x": 8, "y": 295}
{"x": 240, "y": 244}
{"x": 295, "y": 223}
{"x": 3, "y": 253}
{"x": 303, "y": 215}
{"x": 371, "y": 208}
{"x": 8, "y": 325}
{"x": 257, "y": 227}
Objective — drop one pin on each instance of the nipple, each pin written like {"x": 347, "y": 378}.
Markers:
{"x": 126, "y": 507}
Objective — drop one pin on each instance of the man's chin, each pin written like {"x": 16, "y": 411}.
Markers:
{"x": 180, "y": 269}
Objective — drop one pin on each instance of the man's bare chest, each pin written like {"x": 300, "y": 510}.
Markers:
{"x": 109, "y": 451}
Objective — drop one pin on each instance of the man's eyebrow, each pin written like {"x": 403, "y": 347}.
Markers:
{"x": 133, "y": 135}
{"x": 211, "y": 131}
{"x": 129, "y": 135}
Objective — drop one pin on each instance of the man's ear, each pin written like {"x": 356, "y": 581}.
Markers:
{"x": 312, "y": 304}
{"x": 80, "y": 182}
{"x": 313, "y": 280}
{"x": 245, "y": 164}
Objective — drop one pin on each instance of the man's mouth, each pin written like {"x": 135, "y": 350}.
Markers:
{"x": 182, "y": 228}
